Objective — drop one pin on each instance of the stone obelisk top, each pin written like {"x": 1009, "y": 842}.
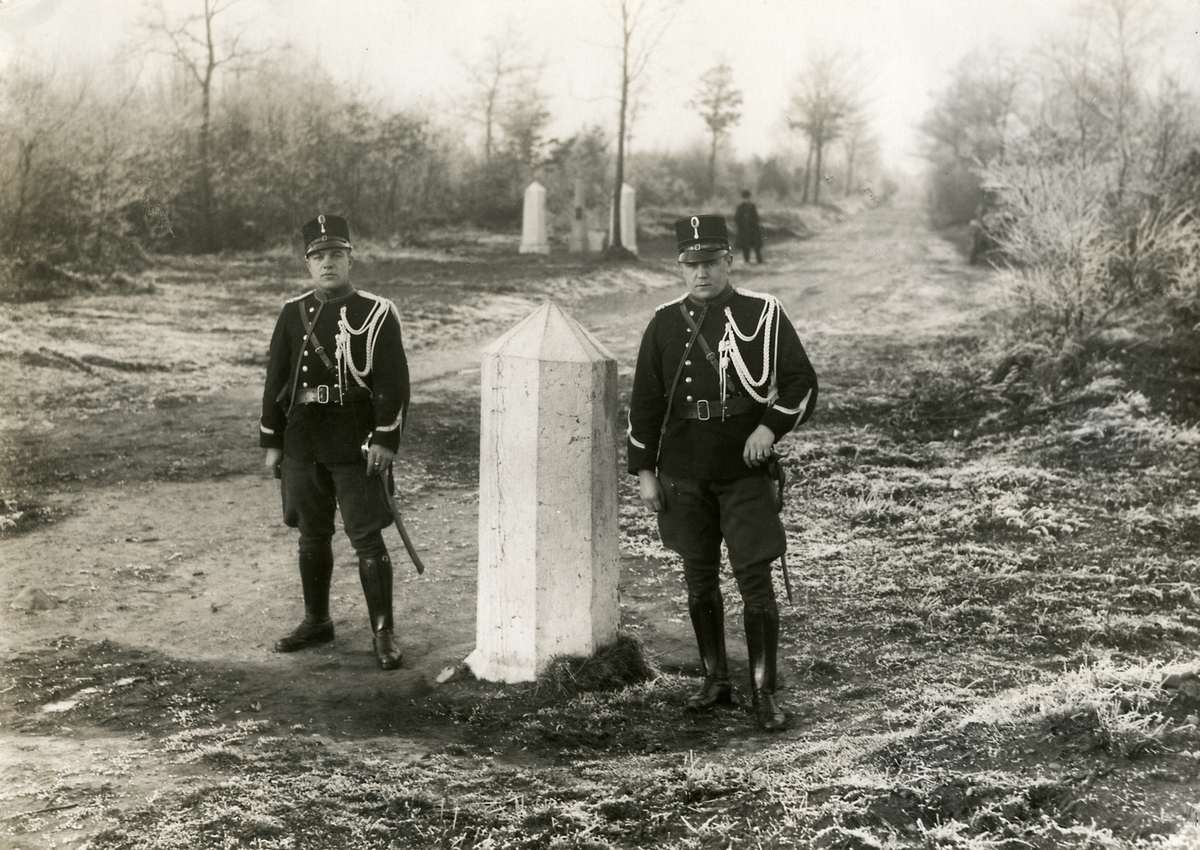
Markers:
{"x": 550, "y": 335}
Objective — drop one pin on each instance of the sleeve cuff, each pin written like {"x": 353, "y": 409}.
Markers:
{"x": 389, "y": 439}
{"x": 269, "y": 438}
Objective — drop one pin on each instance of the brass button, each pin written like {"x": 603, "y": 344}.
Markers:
{"x": 689, "y": 398}
{"x": 686, "y": 380}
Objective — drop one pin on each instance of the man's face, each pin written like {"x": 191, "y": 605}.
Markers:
{"x": 707, "y": 279}
{"x": 329, "y": 267}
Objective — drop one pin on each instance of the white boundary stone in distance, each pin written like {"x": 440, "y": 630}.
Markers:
{"x": 628, "y": 219}
{"x": 548, "y": 546}
{"x": 533, "y": 220}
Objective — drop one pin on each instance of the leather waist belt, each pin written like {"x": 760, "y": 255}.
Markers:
{"x": 705, "y": 409}
{"x": 326, "y": 394}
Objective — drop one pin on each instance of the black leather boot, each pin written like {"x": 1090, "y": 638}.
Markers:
{"x": 708, "y": 619}
{"x": 762, "y": 640}
{"x": 376, "y": 576}
{"x": 316, "y": 572}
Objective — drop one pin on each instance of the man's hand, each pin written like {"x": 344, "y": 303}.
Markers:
{"x": 272, "y": 460}
{"x": 650, "y": 490}
{"x": 378, "y": 459}
{"x": 758, "y": 446}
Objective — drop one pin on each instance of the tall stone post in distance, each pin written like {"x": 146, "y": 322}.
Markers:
{"x": 628, "y": 219}
{"x": 548, "y": 546}
{"x": 533, "y": 221}
{"x": 579, "y": 234}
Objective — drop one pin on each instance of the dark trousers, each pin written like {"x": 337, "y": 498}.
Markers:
{"x": 699, "y": 514}
{"x": 757, "y": 253}
{"x": 311, "y": 493}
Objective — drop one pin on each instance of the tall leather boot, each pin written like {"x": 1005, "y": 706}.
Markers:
{"x": 762, "y": 640}
{"x": 376, "y": 576}
{"x": 708, "y": 620}
{"x": 316, "y": 573}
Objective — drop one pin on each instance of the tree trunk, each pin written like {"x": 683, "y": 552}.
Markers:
{"x": 616, "y": 246}
{"x": 489, "y": 117}
{"x": 206, "y": 189}
{"x": 206, "y": 192}
{"x": 817, "y": 175}
{"x": 807, "y": 173}
{"x": 24, "y": 167}
{"x": 712, "y": 167}
{"x": 851, "y": 153}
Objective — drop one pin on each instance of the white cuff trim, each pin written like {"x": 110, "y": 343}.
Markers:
{"x": 792, "y": 411}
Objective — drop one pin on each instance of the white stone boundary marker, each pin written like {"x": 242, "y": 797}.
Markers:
{"x": 533, "y": 220}
{"x": 628, "y": 219}
{"x": 548, "y": 546}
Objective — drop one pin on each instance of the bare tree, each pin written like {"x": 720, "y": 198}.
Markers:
{"x": 719, "y": 103}
{"x": 639, "y": 37}
{"x": 1093, "y": 100}
{"x": 1128, "y": 27}
{"x": 505, "y": 58}
{"x": 192, "y": 42}
{"x": 524, "y": 122}
{"x": 36, "y": 113}
{"x": 969, "y": 121}
{"x": 861, "y": 148}
{"x": 827, "y": 97}
{"x": 1172, "y": 112}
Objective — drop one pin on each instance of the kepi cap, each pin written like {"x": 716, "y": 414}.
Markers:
{"x": 325, "y": 231}
{"x": 700, "y": 238}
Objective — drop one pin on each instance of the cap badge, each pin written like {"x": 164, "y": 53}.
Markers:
{"x": 321, "y": 221}
{"x": 695, "y": 227}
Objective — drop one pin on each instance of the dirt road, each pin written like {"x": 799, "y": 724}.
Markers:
{"x": 169, "y": 575}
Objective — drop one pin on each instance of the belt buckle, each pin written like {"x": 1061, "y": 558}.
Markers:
{"x": 702, "y": 412}
{"x": 323, "y": 394}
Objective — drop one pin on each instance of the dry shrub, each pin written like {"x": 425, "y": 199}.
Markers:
{"x": 1059, "y": 247}
{"x": 1158, "y": 261}
{"x": 1128, "y": 421}
{"x": 1119, "y": 707}
{"x": 1080, "y": 267}
{"x": 615, "y": 666}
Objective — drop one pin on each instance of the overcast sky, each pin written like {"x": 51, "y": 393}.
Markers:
{"x": 411, "y": 52}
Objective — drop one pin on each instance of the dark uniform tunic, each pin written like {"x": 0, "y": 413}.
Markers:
{"x": 322, "y": 433}
{"x": 712, "y": 449}
{"x": 710, "y": 492}
{"x": 333, "y": 432}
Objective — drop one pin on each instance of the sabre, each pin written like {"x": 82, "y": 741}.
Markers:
{"x": 776, "y": 473}
{"x": 408, "y": 544}
{"x": 391, "y": 503}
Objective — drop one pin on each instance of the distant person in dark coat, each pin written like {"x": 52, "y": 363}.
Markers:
{"x": 749, "y": 234}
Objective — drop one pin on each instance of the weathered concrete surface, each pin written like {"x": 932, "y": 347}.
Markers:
{"x": 548, "y": 546}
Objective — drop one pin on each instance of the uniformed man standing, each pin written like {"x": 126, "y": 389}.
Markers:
{"x": 721, "y": 376}
{"x": 333, "y": 409}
